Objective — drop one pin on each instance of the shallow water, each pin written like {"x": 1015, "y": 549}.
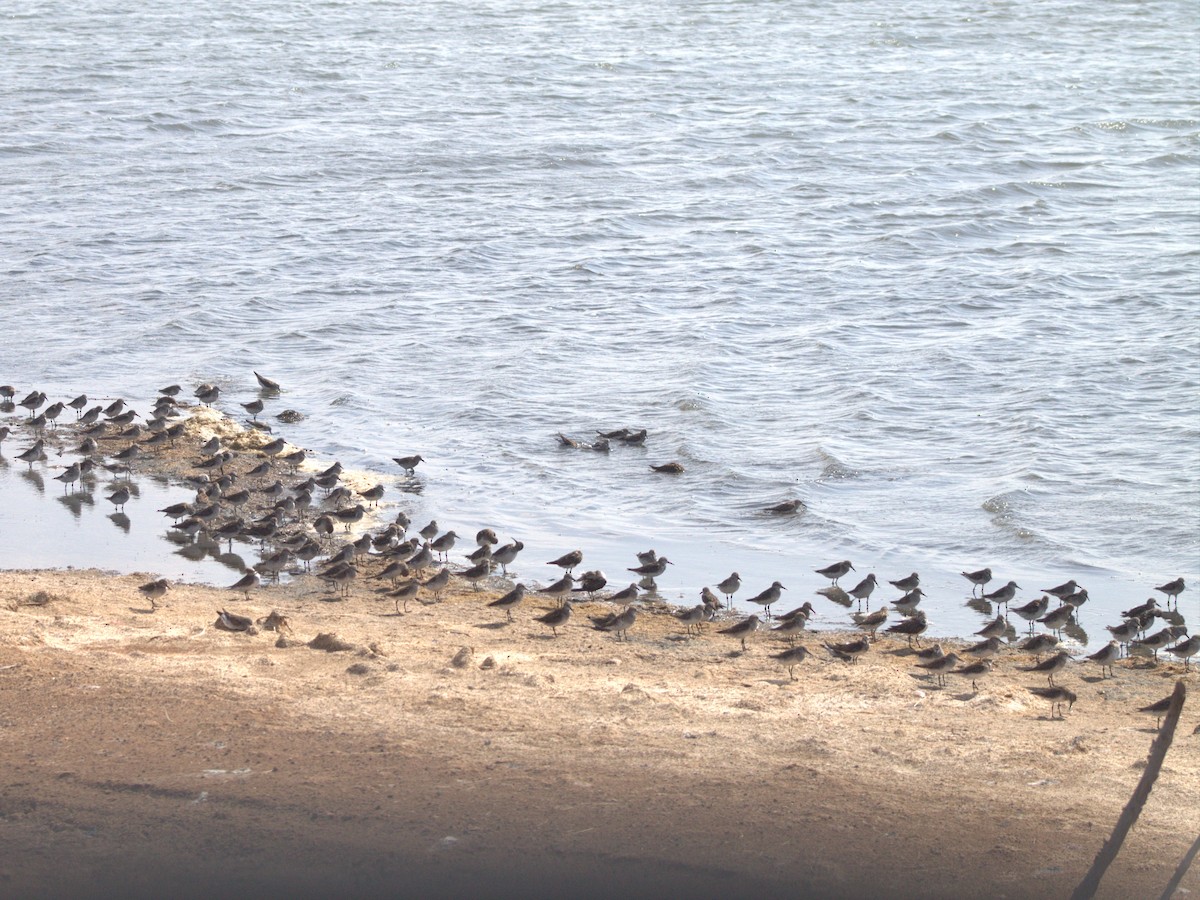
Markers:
{"x": 932, "y": 270}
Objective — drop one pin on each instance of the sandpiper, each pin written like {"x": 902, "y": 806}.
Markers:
{"x": 791, "y": 628}
{"x": 444, "y": 544}
{"x": 422, "y": 559}
{"x": 405, "y": 591}
{"x": 1057, "y": 697}
{"x": 119, "y": 498}
{"x": 985, "y": 649}
{"x": 934, "y": 652}
{"x": 693, "y": 617}
{"x": 254, "y": 407}
{"x": 32, "y": 401}
{"x": 912, "y": 627}
{"x": 787, "y": 507}
{"x": 1063, "y": 590}
{"x": 33, "y": 453}
{"x": 561, "y": 589}
{"x": 836, "y": 570}
{"x": 1076, "y": 599}
{"x": 791, "y": 658}
{"x": 7, "y": 392}
{"x": 909, "y": 602}
{"x": 905, "y": 584}
{"x": 1124, "y": 633}
{"x": 619, "y": 623}
{"x": 274, "y": 448}
{"x": 652, "y": 570}
{"x": 78, "y": 404}
{"x": 267, "y": 384}
{"x": 408, "y": 463}
{"x": 1158, "y": 710}
{"x": 975, "y": 671}
{"x": 477, "y": 573}
{"x": 207, "y": 394}
{"x": 625, "y": 596}
{"x": 1033, "y": 610}
{"x": 767, "y": 597}
{"x": 1172, "y": 589}
{"x": 851, "y": 650}
{"x": 590, "y": 582}
{"x": 246, "y": 583}
{"x": 1140, "y": 610}
{"x": 940, "y": 666}
{"x": 1185, "y": 650}
{"x": 437, "y": 583}
{"x": 568, "y": 561}
{"x": 978, "y": 578}
{"x": 557, "y": 617}
{"x": 510, "y": 600}
{"x": 1050, "y": 665}
{"x": 995, "y": 628}
{"x": 1106, "y": 656}
{"x": 1057, "y": 619}
{"x": 1004, "y": 594}
{"x": 646, "y": 556}
{"x": 730, "y": 586}
{"x": 711, "y": 601}
{"x": 69, "y": 475}
{"x": 349, "y": 516}
{"x": 228, "y": 621}
{"x": 863, "y": 590}
{"x": 504, "y": 556}
{"x": 154, "y": 590}
{"x": 741, "y": 629}
{"x": 871, "y": 621}
{"x": 633, "y": 438}
{"x": 486, "y": 537}
{"x": 1161, "y": 639}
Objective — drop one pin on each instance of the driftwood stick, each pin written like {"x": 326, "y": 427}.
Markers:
{"x": 1184, "y": 865}
{"x": 1158, "y": 751}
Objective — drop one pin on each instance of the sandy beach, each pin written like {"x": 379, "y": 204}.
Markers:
{"x": 152, "y": 751}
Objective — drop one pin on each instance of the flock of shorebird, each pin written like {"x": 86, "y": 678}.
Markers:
{"x": 297, "y": 521}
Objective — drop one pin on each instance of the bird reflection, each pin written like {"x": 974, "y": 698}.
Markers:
{"x": 120, "y": 520}
{"x": 35, "y": 478}
{"x": 981, "y": 606}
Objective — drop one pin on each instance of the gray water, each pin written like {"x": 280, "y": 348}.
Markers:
{"x": 932, "y": 269}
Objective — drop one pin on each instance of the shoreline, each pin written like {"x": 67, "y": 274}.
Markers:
{"x": 662, "y": 763}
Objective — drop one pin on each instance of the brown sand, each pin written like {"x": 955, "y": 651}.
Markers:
{"x": 152, "y": 753}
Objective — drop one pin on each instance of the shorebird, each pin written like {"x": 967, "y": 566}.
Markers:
{"x": 422, "y": 559}
{"x": 871, "y": 621}
{"x": 908, "y": 603}
{"x": 69, "y": 475}
{"x": 53, "y": 411}
{"x": 625, "y": 596}
{"x": 119, "y": 498}
{"x": 1124, "y": 633}
{"x": 1140, "y": 610}
{"x": 940, "y": 666}
{"x": 985, "y": 649}
{"x": 904, "y": 585}
{"x": 978, "y": 578}
{"x": 207, "y": 394}
{"x": 1172, "y": 589}
{"x": 619, "y": 623}
{"x": 1057, "y": 697}
{"x": 851, "y": 650}
{"x": 408, "y": 463}
{"x": 444, "y": 544}
{"x": 975, "y": 671}
{"x": 646, "y": 556}
{"x": 477, "y": 573}
{"x": 1076, "y": 599}
{"x": 791, "y": 628}
{"x": 7, "y": 392}
{"x": 836, "y": 570}
{"x": 349, "y": 516}
{"x": 568, "y": 561}
{"x": 691, "y": 618}
{"x": 934, "y": 652}
{"x": 1185, "y": 650}
{"x": 246, "y": 583}
{"x": 995, "y": 628}
{"x": 741, "y": 629}
{"x": 504, "y": 556}
{"x": 274, "y": 448}
{"x": 652, "y": 570}
{"x": 510, "y": 601}
{"x": 1050, "y": 665}
{"x": 1063, "y": 590}
{"x": 1161, "y": 639}
{"x": 912, "y": 627}
{"x": 171, "y": 390}
{"x": 1158, "y": 710}
{"x": 786, "y": 507}
{"x": 791, "y": 658}
{"x": 228, "y": 621}
{"x": 767, "y": 597}
{"x": 154, "y": 590}
{"x": 32, "y": 401}
{"x": 437, "y": 583}
{"x": 561, "y": 589}
{"x": 1004, "y": 594}
{"x": 730, "y": 586}
{"x": 1106, "y": 656}
{"x": 486, "y": 537}
{"x": 557, "y": 617}
{"x": 430, "y": 531}
{"x": 711, "y": 601}
{"x": 33, "y": 453}
{"x": 633, "y": 438}
{"x": 267, "y": 384}
{"x": 254, "y": 407}
{"x": 405, "y": 591}
{"x": 590, "y": 582}
{"x": 863, "y": 590}
{"x": 1057, "y": 619}
{"x": 803, "y": 611}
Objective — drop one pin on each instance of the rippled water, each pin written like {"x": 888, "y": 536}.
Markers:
{"x": 932, "y": 269}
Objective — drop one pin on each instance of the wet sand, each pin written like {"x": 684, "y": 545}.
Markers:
{"x": 150, "y": 751}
